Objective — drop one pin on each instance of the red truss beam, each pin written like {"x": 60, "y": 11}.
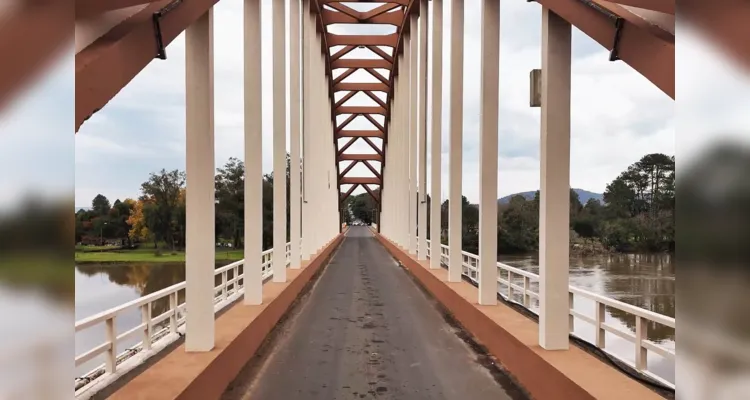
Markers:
{"x": 645, "y": 47}
{"x": 343, "y": 76}
{"x": 372, "y": 169}
{"x": 328, "y": 2}
{"x": 360, "y": 110}
{"x": 381, "y": 53}
{"x": 379, "y": 10}
{"x": 360, "y": 181}
{"x": 663, "y": 6}
{"x": 372, "y": 194}
{"x": 360, "y": 157}
{"x": 372, "y": 145}
{"x": 377, "y": 87}
{"x": 346, "y": 50}
{"x": 359, "y": 133}
{"x": 346, "y": 146}
{"x": 376, "y": 99}
{"x": 346, "y": 122}
{"x": 377, "y": 75}
{"x": 362, "y": 40}
{"x": 90, "y": 8}
{"x": 32, "y": 35}
{"x": 112, "y": 61}
{"x": 344, "y": 99}
{"x": 349, "y": 168}
{"x": 361, "y": 63}
{"x": 348, "y": 192}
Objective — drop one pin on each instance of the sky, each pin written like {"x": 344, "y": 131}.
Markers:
{"x": 617, "y": 115}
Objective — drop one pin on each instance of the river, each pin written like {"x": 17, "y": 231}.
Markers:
{"x": 643, "y": 280}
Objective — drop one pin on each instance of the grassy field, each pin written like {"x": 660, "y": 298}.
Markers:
{"x": 148, "y": 255}
{"x": 50, "y": 273}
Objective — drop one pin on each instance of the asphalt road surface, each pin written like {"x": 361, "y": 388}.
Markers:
{"x": 367, "y": 331}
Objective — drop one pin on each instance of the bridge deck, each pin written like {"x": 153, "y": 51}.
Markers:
{"x": 365, "y": 331}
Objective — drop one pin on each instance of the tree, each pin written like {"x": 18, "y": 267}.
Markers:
{"x": 163, "y": 189}
{"x": 137, "y": 222}
{"x": 363, "y": 207}
{"x": 518, "y": 230}
{"x": 640, "y": 205}
{"x": 100, "y": 205}
{"x": 230, "y": 200}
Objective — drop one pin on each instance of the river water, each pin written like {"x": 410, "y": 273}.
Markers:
{"x": 646, "y": 281}
{"x": 643, "y": 280}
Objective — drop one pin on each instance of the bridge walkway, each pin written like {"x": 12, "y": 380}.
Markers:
{"x": 366, "y": 330}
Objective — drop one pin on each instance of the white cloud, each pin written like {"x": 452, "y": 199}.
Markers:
{"x": 617, "y": 115}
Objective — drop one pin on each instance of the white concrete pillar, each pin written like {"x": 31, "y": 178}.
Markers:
{"x": 422, "y": 170}
{"x": 279, "y": 142}
{"x": 295, "y": 227}
{"x": 317, "y": 171}
{"x": 306, "y": 126}
{"x": 455, "y": 204}
{"x": 403, "y": 190}
{"x": 437, "y": 115}
{"x": 252, "y": 270}
{"x": 488, "y": 129}
{"x": 403, "y": 216}
{"x": 314, "y": 129}
{"x": 554, "y": 205}
{"x": 409, "y": 72}
{"x": 405, "y": 169}
{"x": 394, "y": 161}
{"x": 199, "y": 233}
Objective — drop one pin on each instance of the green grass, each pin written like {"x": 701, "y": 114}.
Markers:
{"x": 51, "y": 273}
{"x": 87, "y": 248}
{"x": 148, "y": 255}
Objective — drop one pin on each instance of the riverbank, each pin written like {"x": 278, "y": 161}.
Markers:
{"x": 149, "y": 256}
{"x": 46, "y": 271}
{"x": 588, "y": 247}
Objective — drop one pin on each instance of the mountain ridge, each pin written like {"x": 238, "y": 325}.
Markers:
{"x": 583, "y": 196}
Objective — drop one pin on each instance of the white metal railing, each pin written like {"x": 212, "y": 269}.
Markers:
{"x": 516, "y": 281}
{"x": 156, "y": 332}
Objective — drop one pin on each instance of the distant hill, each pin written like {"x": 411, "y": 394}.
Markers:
{"x": 583, "y": 196}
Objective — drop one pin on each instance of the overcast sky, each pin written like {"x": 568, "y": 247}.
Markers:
{"x": 617, "y": 115}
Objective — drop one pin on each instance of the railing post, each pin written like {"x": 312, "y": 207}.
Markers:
{"x": 455, "y": 204}
{"x": 526, "y": 288}
{"x": 279, "y": 140}
{"x": 641, "y": 353}
{"x": 510, "y": 286}
{"x": 237, "y": 280}
{"x": 554, "y": 209}
{"x": 111, "y": 358}
{"x": 173, "y": 317}
{"x": 600, "y": 319}
{"x": 200, "y": 169}
{"x": 571, "y": 318}
{"x": 147, "y": 329}
{"x": 224, "y": 288}
{"x": 488, "y": 152}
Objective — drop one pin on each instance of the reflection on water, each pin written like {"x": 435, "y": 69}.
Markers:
{"x": 642, "y": 280}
